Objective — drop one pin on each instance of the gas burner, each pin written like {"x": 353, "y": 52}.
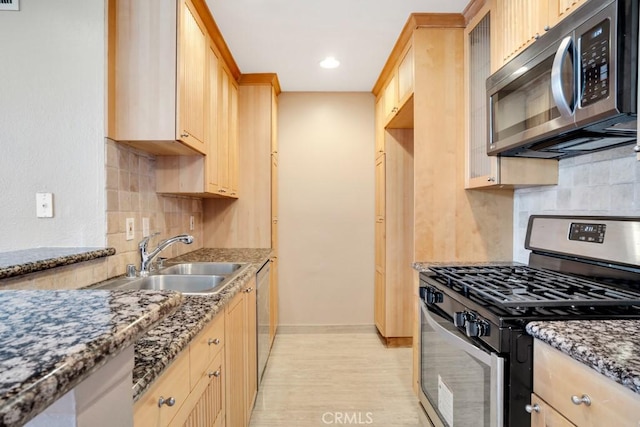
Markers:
{"x": 523, "y": 286}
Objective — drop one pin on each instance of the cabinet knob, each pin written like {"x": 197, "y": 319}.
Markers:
{"x": 580, "y": 400}
{"x": 222, "y": 190}
{"x": 248, "y": 290}
{"x": 169, "y": 402}
{"x": 532, "y": 408}
{"x": 184, "y": 135}
{"x": 215, "y": 341}
{"x": 547, "y": 28}
{"x": 491, "y": 179}
{"x": 214, "y": 374}
{"x": 636, "y": 148}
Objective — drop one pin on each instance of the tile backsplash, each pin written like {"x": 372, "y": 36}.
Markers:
{"x": 130, "y": 192}
{"x": 602, "y": 183}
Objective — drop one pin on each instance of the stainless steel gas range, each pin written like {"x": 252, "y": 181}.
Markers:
{"x": 476, "y": 359}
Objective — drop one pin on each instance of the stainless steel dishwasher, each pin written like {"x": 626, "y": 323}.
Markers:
{"x": 262, "y": 283}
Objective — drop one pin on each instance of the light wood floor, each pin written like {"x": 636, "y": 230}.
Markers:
{"x": 322, "y": 379}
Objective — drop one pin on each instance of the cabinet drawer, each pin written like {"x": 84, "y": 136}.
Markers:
{"x": 205, "y": 346}
{"x": 557, "y": 377}
{"x": 173, "y": 383}
{"x": 544, "y": 415}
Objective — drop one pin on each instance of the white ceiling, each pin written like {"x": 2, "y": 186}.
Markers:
{"x": 290, "y": 38}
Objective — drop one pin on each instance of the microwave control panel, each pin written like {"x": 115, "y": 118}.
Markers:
{"x": 594, "y": 58}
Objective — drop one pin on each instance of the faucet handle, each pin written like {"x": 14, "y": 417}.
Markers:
{"x": 144, "y": 242}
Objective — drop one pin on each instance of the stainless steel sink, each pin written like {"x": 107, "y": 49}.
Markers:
{"x": 198, "y": 278}
{"x": 205, "y": 268}
{"x": 187, "y": 284}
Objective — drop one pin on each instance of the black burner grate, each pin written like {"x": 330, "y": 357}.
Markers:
{"x": 522, "y": 286}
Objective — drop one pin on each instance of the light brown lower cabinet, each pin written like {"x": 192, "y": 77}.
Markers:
{"x": 569, "y": 393}
{"x": 213, "y": 382}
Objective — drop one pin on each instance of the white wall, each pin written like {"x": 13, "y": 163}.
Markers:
{"x": 52, "y": 99}
{"x": 326, "y": 208}
{"x": 603, "y": 183}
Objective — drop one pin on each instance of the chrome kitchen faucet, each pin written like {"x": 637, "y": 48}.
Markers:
{"x": 148, "y": 257}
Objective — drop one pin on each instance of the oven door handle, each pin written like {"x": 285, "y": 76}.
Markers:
{"x": 457, "y": 341}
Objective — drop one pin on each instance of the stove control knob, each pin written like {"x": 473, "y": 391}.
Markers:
{"x": 433, "y": 296}
{"x": 460, "y": 318}
{"x": 477, "y": 328}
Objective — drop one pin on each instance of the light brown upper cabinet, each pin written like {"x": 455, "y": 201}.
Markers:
{"x": 216, "y": 174}
{"x": 157, "y": 76}
{"x": 483, "y": 171}
{"x": 521, "y": 22}
{"x": 397, "y": 95}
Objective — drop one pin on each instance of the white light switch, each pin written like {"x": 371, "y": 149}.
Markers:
{"x": 44, "y": 205}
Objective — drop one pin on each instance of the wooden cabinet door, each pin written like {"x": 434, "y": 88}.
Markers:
{"x": 560, "y": 9}
{"x": 380, "y": 116}
{"x": 405, "y": 76}
{"x": 251, "y": 348}
{"x": 543, "y": 415}
{"x": 233, "y": 139}
{"x": 380, "y": 187}
{"x": 380, "y": 301}
{"x": 390, "y": 98}
{"x": 235, "y": 362}
{"x": 205, "y": 406}
{"x": 192, "y": 54}
{"x": 519, "y": 22}
{"x": 223, "y": 132}
{"x": 273, "y": 300}
{"x": 173, "y": 384}
{"x": 213, "y": 73}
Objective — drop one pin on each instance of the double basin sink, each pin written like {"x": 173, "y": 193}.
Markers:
{"x": 198, "y": 278}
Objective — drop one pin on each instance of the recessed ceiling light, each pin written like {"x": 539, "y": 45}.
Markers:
{"x": 329, "y": 62}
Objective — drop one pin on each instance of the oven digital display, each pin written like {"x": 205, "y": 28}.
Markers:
{"x": 592, "y": 233}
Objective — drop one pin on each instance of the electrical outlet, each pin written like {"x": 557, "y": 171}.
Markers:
{"x": 191, "y": 223}
{"x": 145, "y": 227}
{"x": 130, "y": 228}
{"x": 44, "y": 205}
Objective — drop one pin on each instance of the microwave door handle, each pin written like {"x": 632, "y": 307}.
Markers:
{"x": 556, "y": 78}
{"x": 455, "y": 340}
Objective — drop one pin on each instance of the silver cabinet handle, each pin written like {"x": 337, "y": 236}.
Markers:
{"x": 215, "y": 341}
{"x": 491, "y": 179}
{"x": 169, "y": 402}
{"x": 580, "y": 400}
{"x": 532, "y": 408}
{"x": 184, "y": 135}
{"x": 248, "y": 290}
{"x": 214, "y": 374}
{"x": 222, "y": 190}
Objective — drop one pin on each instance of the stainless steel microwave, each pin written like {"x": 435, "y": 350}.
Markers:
{"x": 573, "y": 91}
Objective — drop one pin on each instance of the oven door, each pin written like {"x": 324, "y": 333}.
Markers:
{"x": 462, "y": 385}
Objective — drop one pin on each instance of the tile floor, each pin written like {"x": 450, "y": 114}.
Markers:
{"x": 320, "y": 379}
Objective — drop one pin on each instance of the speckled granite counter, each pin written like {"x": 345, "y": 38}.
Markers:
{"x": 26, "y": 261}
{"x": 610, "y": 347}
{"x": 161, "y": 345}
{"x": 52, "y": 340}
{"x": 423, "y": 267}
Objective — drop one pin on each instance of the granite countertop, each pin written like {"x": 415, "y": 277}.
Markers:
{"x": 52, "y": 340}
{"x": 26, "y": 261}
{"x": 610, "y": 347}
{"x": 424, "y": 267}
{"x": 156, "y": 349}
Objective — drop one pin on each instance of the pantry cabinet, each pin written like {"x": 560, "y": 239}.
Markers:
{"x": 559, "y": 380}
{"x": 483, "y": 171}
{"x": 157, "y": 71}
